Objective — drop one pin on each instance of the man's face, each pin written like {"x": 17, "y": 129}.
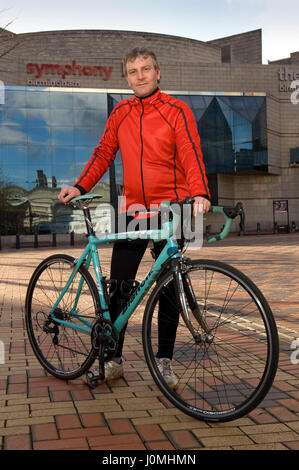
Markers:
{"x": 142, "y": 76}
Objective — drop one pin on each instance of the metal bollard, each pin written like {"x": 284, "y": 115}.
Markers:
{"x": 72, "y": 238}
{"x": 53, "y": 239}
{"x": 17, "y": 242}
{"x": 258, "y": 227}
{"x": 35, "y": 240}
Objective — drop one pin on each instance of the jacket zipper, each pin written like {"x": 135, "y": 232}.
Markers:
{"x": 141, "y": 156}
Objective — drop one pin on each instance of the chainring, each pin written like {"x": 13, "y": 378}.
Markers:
{"x": 104, "y": 334}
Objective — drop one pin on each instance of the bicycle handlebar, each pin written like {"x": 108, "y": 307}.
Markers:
{"x": 229, "y": 213}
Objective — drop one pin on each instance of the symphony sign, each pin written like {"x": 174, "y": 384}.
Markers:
{"x": 43, "y": 74}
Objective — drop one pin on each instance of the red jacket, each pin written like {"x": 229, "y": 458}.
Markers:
{"x": 160, "y": 150}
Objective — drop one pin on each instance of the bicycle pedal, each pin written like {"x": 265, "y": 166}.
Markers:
{"x": 92, "y": 380}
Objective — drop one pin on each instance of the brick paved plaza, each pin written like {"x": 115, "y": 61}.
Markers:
{"x": 38, "y": 411}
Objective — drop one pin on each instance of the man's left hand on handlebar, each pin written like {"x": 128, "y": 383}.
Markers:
{"x": 201, "y": 205}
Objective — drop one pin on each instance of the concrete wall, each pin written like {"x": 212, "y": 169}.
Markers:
{"x": 246, "y": 48}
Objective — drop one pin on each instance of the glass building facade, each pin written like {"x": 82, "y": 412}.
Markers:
{"x": 47, "y": 135}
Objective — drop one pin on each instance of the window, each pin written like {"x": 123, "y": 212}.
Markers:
{"x": 226, "y": 54}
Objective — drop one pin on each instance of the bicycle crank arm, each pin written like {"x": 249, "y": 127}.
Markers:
{"x": 92, "y": 380}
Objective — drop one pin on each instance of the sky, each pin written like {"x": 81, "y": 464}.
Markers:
{"x": 203, "y": 20}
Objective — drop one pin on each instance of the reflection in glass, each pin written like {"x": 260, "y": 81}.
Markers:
{"x": 48, "y": 135}
{"x": 46, "y": 138}
{"x": 232, "y": 130}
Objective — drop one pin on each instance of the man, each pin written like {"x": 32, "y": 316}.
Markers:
{"x": 162, "y": 160}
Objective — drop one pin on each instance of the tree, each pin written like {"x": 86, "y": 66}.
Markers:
{"x": 8, "y": 40}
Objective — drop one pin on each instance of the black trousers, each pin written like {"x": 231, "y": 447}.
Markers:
{"x": 126, "y": 257}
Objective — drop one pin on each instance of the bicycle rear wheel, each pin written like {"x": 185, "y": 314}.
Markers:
{"x": 225, "y": 374}
{"x": 63, "y": 351}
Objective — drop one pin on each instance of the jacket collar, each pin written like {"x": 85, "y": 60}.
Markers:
{"x": 148, "y": 99}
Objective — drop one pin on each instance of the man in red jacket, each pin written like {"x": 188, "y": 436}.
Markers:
{"x": 162, "y": 160}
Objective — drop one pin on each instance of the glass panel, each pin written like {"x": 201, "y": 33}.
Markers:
{"x": 62, "y": 136}
{"x": 61, "y": 100}
{"x": 46, "y": 138}
{"x": 38, "y": 117}
{"x": 85, "y": 135}
{"x": 40, "y": 135}
{"x": 14, "y": 117}
{"x": 13, "y": 135}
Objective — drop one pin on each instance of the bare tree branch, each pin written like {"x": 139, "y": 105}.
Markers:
{"x": 2, "y": 54}
{"x": 5, "y": 38}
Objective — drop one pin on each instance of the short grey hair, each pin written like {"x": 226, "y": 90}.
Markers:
{"x": 139, "y": 52}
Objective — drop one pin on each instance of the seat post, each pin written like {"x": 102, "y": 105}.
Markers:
{"x": 87, "y": 217}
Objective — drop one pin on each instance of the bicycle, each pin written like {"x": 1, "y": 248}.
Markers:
{"x": 226, "y": 346}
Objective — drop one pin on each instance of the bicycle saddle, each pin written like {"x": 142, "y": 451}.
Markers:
{"x": 83, "y": 200}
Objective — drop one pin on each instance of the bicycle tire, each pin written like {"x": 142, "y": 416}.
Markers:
{"x": 227, "y": 378}
{"x": 73, "y": 353}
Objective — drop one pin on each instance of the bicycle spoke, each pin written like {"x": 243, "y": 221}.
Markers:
{"x": 64, "y": 350}
{"x": 215, "y": 366}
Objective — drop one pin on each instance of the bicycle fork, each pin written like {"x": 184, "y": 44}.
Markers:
{"x": 185, "y": 296}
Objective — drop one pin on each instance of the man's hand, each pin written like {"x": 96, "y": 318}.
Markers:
{"x": 201, "y": 205}
{"x": 67, "y": 193}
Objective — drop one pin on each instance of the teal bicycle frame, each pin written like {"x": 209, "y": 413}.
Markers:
{"x": 90, "y": 254}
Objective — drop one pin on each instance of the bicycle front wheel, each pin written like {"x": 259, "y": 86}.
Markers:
{"x": 226, "y": 361}
{"x": 64, "y": 351}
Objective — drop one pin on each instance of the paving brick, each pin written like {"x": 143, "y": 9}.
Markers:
{"x": 219, "y": 441}
{"x": 264, "y": 428}
{"x": 62, "y": 444}
{"x": 67, "y": 422}
{"x": 183, "y": 439}
{"x": 17, "y": 379}
{"x": 17, "y": 388}
{"x": 21, "y": 442}
{"x": 14, "y": 430}
{"x": 82, "y": 395}
{"x": 120, "y": 426}
{"x": 262, "y": 416}
{"x": 274, "y": 437}
{"x": 159, "y": 445}
{"x": 29, "y": 421}
{"x": 293, "y": 445}
{"x": 290, "y": 403}
{"x": 256, "y": 447}
{"x": 150, "y": 432}
{"x": 206, "y": 432}
{"x": 121, "y": 442}
{"x": 86, "y": 432}
{"x": 60, "y": 395}
{"x": 283, "y": 414}
{"x": 92, "y": 419}
{"x": 38, "y": 392}
{"x": 44, "y": 432}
